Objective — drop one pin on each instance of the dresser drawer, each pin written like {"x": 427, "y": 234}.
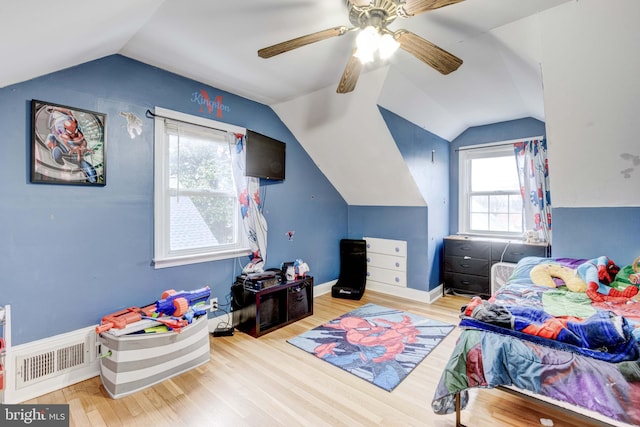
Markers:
{"x": 470, "y": 248}
{"x": 467, "y": 284}
{"x": 466, "y": 265}
{"x": 386, "y": 246}
{"x": 390, "y": 277}
{"x": 514, "y": 252}
{"x": 386, "y": 261}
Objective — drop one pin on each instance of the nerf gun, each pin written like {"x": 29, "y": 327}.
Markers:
{"x": 120, "y": 319}
{"x": 177, "y": 303}
{"x": 173, "y": 303}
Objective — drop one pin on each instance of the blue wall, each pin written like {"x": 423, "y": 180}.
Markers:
{"x": 71, "y": 254}
{"x": 422, "y": 227}
{"x": 503, "y": 131}
{"x": 594, "y": 232}
{"x": 427, "y": 157}
{"x": 397, "y": 223}
{"x": 579, "y": 232}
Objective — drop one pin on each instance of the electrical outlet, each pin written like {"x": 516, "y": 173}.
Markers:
{"x": 213, "y": 304}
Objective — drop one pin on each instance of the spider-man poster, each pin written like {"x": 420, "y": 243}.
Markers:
{"x": 378, "y": 344}
{"x": 68, "y": 145}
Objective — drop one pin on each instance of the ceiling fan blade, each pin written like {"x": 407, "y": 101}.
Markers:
{"x": 414, "y": 7}
{"x": 350, "y": 75}
{"x": 279, "y": 48}
{"x": 427, "y": 52}
{"x": 359, "y": 2}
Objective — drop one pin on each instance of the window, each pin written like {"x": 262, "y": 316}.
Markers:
{"x": 490, "y": 198}
{"x": 196, "y": 212}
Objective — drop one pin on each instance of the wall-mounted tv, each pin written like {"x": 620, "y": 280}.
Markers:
{"x": 265, "y": 156}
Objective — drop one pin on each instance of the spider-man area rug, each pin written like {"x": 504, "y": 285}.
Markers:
{"x": 378, "y": 344}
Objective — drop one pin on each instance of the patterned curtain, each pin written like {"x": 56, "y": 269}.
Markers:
{"x": 248, "y": 190}
{"x": 533, "y": 171}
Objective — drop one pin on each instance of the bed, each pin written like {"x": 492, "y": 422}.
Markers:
{"x": 575, "y": 346}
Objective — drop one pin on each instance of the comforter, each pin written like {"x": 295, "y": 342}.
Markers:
{"x": 591, "y": 360}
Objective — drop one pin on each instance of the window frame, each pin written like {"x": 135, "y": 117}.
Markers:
{"x": 163, "y": 257}
{"x": 465, "y": 156}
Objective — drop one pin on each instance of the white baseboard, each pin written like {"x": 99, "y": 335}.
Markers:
{"x": 14, "y": 394}
{"x": 323, "y": 288}
{"x": 436, "y": 294}
{"x": 221, "y": 321}
{"x": 402, "y": 292}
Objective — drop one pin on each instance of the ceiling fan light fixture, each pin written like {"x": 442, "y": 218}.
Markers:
{"x": 368, "y": 39}
{"x": 365, "y": 56}
{"x": 387, "y": 46}
{"x": 372, "y": 18}
{"x": 367, "y": 43}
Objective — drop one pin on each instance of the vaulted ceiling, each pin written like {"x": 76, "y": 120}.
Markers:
{"x": 216, "y": 43}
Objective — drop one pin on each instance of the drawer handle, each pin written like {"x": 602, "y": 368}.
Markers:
{"x": 368, "y": 274}
{"x": 465, "y": 265}
{"x": 368, "y": 259}
{"x": 397, "y": 264}
{"x": 397, "y": 249}
{"x": 397, "y": 279}
{"x": 368, "y": 245}
{"x": 517, "y": 253}
{"x": 466, "y": 257}
{"x": 466, "y": 282}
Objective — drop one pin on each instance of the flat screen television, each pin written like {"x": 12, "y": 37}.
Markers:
{"x": 265, "y": 157}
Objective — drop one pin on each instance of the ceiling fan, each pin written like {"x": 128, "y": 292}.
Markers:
{"x": 371, "y": 18}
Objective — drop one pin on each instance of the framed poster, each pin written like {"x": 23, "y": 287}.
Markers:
{"x": 67, "y": 145}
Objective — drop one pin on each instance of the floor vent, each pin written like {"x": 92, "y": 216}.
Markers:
{"x": 33, "y": 368}
{"x": 37, "y": 366}
{"x": 71, "y": 356}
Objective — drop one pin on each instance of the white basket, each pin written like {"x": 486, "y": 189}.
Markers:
{"x": 500, "y": 273}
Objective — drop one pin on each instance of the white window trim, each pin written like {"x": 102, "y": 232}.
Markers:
{"x": 464, "y": 154}
{"x": 162, "y": 258}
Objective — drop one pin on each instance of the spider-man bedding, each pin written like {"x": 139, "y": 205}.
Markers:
{"x": 579, "y": 346}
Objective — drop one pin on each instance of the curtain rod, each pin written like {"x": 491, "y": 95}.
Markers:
{"x": 498, "y": 144}
{"x": 152, "y": 115}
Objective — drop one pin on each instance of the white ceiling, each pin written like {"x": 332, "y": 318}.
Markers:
{"x": 215, "y": 42}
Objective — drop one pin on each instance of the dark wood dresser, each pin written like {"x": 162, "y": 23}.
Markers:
{"x": 467, "y": 261}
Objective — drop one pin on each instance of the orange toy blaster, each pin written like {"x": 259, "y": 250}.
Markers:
{"x": 120, "y": 319}
{"x": 172, "y": 303}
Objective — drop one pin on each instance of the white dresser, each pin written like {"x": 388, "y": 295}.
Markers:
{"x": 386, "y": 261}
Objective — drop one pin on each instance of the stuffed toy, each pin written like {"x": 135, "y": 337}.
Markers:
{"x": 531, "y": 236}
{"x": 600, "y": 274}
{"x": 543, "y": 274}
{"x": 635, "y": 276}
{"x": 301, "y": 268}
{"x": 627, "y": 276}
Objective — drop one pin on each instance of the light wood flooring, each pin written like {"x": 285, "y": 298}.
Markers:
{"x": 268, "y": 382}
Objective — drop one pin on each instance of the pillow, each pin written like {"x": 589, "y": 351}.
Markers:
{"x": 543, "y": 274}
{"x": 522, "y": 272}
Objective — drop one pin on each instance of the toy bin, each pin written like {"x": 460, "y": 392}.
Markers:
{"x": 130, "y": 363}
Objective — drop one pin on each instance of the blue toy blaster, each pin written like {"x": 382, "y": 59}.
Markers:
{"x": 177, "y": 303}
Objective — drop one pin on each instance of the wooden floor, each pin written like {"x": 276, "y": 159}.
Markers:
{"x": 268, "y": 382}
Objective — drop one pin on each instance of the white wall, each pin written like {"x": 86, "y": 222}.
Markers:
{"x": 348, "y": 139}
{"x": 591, "y": 75}
{"x": 588, "y": 54}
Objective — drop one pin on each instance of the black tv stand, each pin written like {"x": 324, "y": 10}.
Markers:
{"x": 258, "y": 312}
